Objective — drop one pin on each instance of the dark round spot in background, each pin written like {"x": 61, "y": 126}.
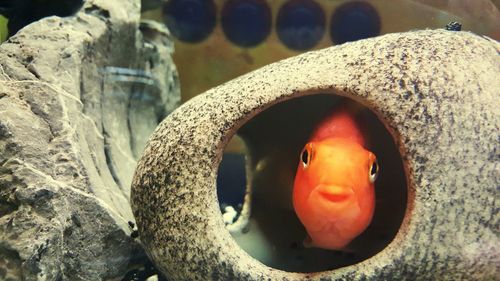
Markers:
{"x": 353, "y": 21}
{"x": 300, "y": 24}
{"x": 23, "y": 12}
{"x": 246, "y": 23}
{"x": 190, "y": 20}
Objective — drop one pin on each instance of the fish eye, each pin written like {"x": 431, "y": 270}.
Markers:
{"x": 373, "y": 174}
{"x": 306, "y": 155}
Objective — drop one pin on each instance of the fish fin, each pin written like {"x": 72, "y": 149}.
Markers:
{"x": 308, "y": 243}
{"x": 348, "y": 249}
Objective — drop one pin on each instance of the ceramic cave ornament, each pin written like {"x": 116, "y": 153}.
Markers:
{"x": 436, "y": 94}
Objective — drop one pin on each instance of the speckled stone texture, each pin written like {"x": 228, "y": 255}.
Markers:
{"x": 70, "y": 132}
{"x": 438, "y": 94}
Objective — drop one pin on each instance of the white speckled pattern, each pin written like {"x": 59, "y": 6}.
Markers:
{"x": 438, "y": 93}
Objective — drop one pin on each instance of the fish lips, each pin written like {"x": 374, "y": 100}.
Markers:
{"x": 334, "y": 193}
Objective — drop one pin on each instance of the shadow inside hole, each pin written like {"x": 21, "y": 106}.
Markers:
{"x": 231, "y": 180}
{"x": 273, "y": 142}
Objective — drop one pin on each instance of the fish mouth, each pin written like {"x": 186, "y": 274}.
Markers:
{"x": 334, "y": 193}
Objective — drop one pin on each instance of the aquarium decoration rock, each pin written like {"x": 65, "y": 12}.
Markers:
{"x": 79, "y": 97}
{"x": 437, "y": 94}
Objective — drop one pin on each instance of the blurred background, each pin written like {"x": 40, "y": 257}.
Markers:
{"x": 217, "y": 40}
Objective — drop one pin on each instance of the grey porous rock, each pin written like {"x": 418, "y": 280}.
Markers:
{"x": 79, "y": 96}
{"x": 437, "y": 94}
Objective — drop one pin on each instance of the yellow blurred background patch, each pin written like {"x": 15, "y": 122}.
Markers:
{"x": 3, "y": 28}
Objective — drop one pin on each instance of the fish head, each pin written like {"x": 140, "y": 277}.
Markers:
{"x": 334, "y": 184}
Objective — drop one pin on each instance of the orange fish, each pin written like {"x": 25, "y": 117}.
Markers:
{"x": 333, "y": 193}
